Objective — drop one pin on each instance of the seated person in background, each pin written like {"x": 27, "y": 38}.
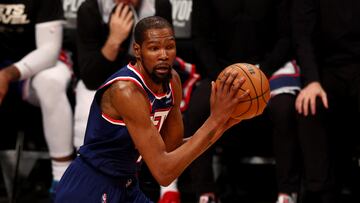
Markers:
{"x": 29, "y": 50}
{"x": 61, "y": 141}
{"x": 224, "y": 33}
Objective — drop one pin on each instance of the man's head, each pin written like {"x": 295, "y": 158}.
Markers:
{"x": 155, "y": 47}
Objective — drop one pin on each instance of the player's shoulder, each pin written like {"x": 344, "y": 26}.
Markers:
{"x": 126, "y": 89}
{"x": 126, "y": 85}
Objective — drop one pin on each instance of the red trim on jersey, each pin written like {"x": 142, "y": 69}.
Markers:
{"x": 131, "y": 79}
{"x": 113, "y": 121}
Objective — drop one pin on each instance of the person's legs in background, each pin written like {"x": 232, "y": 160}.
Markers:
{"x": 202, "y": 178}
{"x": 286, "y": 146}
{"x": 50, "y": 87}
{"x": 301, "y": 142}
{"x": 84, "y": 98}
{"x": 201, "y": 170}
{"x": 319, "y": 179}
{"x": 332, "y": 137}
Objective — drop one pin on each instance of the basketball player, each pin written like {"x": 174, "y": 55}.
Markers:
{"x": 136, "y": 115}
{"x": 104, "y": 36}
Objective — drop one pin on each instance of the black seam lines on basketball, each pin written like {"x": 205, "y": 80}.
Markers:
{"x": 247, "y": 110}
{"x": 254, "y": 98}
{"x": 257, "y": 96}
{"x": 249, "y": 106}
{"x": 268, "y": 90}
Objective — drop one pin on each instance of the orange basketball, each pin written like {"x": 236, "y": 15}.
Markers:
{"x": 256, "y": 81}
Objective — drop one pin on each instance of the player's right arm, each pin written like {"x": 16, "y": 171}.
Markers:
{"x": 124, "y": 100}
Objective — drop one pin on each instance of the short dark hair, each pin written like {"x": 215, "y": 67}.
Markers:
{"x": 145, "y": 24}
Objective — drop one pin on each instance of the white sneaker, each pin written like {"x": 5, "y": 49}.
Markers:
{"x": 286, "y": 198}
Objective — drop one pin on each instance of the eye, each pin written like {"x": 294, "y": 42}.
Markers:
{"x": 170, "y": 46}
{"x": 153, "y": 48}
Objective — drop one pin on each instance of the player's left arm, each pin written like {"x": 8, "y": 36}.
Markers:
{"x": 172, "y": 131}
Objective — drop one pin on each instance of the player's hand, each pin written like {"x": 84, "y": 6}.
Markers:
{"x": 121, "y": 22}
{"x": 306, "y": 100}
{"x": 226, "y": 95}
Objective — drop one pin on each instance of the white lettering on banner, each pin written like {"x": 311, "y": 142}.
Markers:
{"x": 181, "y": 11}
{"x": 70, "y": 8}
{"x": 72, "y": 5}
{"x": 13, "y": 14}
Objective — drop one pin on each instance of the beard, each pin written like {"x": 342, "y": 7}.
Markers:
{"x": 160, "y": 78}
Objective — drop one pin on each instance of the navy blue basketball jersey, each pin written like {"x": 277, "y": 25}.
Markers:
{"x": 108, "y": 146}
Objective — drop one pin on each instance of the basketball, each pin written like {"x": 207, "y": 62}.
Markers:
{"x": 256, "y": 81}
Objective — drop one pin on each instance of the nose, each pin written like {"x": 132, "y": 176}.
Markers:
{"x": 163, "y": 54}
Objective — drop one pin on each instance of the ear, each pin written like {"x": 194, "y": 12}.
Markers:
{"x": 136, "y": 48}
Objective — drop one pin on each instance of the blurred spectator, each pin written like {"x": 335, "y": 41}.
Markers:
{"x": 62, "y": 140}
{"x": 285, "y": 85}
{"x": 327, "y": 43}
{"x": 31, "y": 38}
{"x": 230, "y": 32}
{"x": 297, "y": 151}
{"x": 181, "y": 18}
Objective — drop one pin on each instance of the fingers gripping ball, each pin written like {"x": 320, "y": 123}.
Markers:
{"x": 255, "y": 80}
